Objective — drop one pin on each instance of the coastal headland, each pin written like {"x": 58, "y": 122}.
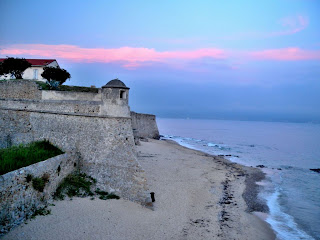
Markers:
{"x": 197, "y": 196}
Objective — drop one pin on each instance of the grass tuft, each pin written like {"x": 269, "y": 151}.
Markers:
{"x": 41, "y": 211}
{"x": 78, "y": 185}
{"x": 39, "y": 183}
{"x": 29, "y": 177}
{"x": 113, "y": 196}
{"x": 105, "y": 195}
{"x": 24, "y": 155}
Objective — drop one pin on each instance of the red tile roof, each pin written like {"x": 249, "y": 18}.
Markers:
{"x": 36, "y": 62}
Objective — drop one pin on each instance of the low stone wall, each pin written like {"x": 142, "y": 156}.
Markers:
{"x": 69, "y": 107}
{"x": 19, "y": 89}
{"x": 18, "y": 198}
{"x": 65, "y": 95}
{"x": 144, "y": 125}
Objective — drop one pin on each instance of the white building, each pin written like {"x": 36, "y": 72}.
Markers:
{"x": 34, "y": 72}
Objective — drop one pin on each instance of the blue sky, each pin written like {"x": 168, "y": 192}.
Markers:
{"x": 249, "y": 60}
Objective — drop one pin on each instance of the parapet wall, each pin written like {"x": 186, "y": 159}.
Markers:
{"x": 19, "y": 89}
{"x": 144, "y": 125}
{"x": 61, "y": 107}
{"x": 105, "y": 143}
{"x": 18, "y": 198}
{"x": 65, "y": 95}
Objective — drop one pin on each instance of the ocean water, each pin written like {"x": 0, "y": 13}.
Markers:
{"x": 288, "y": 150}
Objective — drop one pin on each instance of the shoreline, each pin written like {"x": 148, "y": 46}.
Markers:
{"x": 255, "y": 206}
{"x": 198, "y": 196}
{"x": 252, "y": 174}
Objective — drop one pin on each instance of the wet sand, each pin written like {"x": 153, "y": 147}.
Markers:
{"x": 198, "y": 196}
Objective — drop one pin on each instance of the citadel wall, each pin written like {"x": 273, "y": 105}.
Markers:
{"x": 102, "y": 135}
{"x": 144, "y": 125}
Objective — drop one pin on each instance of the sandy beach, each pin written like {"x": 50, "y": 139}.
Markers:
{"x": 198, "y": 196}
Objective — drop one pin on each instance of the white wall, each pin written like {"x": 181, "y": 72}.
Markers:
{"x": 5, "y": 77}
{"x": 53, "y": 64}
{"x": 29, "y": 74}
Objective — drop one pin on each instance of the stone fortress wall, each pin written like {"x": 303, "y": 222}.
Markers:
{"x": 144, "y": 125}
{"x": 98, "y": 127}
{"x": 19, "y": 200}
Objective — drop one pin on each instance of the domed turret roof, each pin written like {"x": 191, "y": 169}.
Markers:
{"x": 115, "y": 83}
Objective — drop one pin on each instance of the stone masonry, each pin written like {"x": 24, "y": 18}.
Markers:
{"x": 99, "y": 128}
{"x": 144, "y": 125}
{"x": 19, "y": 200}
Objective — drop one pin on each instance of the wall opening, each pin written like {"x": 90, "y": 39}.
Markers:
{"x": 123, "y": 94}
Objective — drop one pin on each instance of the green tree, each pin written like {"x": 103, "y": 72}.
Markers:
{"x": 55, "y": 75}
{"x": 1, "y": 69}
{"x": 14, "y": 67}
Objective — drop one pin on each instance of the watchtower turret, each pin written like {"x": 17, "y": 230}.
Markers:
{"x": 115, "y": 98}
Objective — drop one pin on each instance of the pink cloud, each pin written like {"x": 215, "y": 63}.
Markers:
{"x": 132, "y": 57}
{"x": 286, "y": 54}
{"x": 293, "y": 25}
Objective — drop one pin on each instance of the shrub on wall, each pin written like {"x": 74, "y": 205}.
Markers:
{"x": 14, "y": 66}
{"x": 55, "y": 76}
{"x": 38, "y": 184}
